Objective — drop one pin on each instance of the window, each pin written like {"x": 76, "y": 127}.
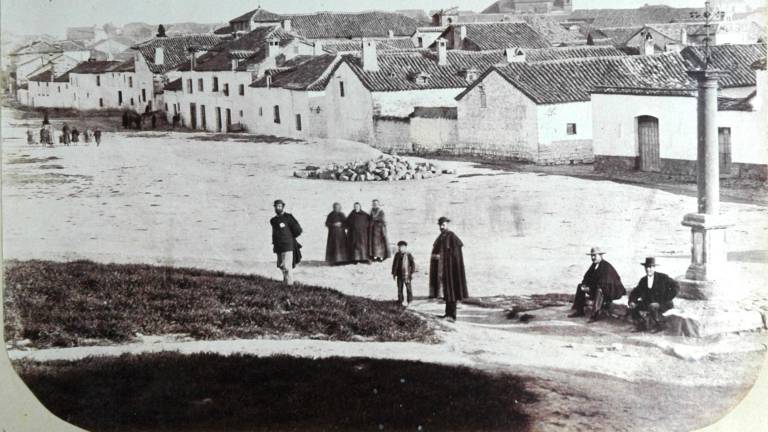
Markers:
{"x": 483, "y": 98}
{"x": 241, "y": 113}
{"x": 241, "y": 89}
{"x": 226, "y": 89}
{"x": 98, "y": 81}
{"x": 144, "y": 95}
{"x": 571, "y": 129}
{"x": 131, "y": 101}
{"x": 277, "y": 114}
{"x": 59, "y": 88}
{"x": 119, "y": 98}
{"x": 298, "y": 122}
{"x": 165, "y": 106}
{"x": 130, "y": 82}
{"x": 341, "y": 88}
{"x": 200, "y": 84}
{"x": 261, "y": 112}
{"x": 215, "y": 84}
{"x": 101, "y": 102}
{"x": 189, "y": 86}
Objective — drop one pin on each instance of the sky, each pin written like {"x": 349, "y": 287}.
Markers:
{"x": 54, "y": 16}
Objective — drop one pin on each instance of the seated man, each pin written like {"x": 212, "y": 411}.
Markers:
{"x": 601, "y": 284}
{"x": 652, "y": 297}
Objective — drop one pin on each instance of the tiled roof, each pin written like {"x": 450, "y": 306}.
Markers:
{"x": 735, "y": 104}
{"x": 494, "y": 36}
{"x": 174, "y": 85}
{"x": 327, "y": 25}
{"x": 302, "y": 73}
{"x": 225, "y": 31}
{"x": 126, "y": 66}
{"x": 633, "y": 17}
{"x": 568, "y": 81}
{"x": 45, "y": 76}
{"x": 175, "y": 50}
{"x": 258, "y": 15}
{"x": 250, "y": 49}
{"x": 384, "y": 44}
{"x": 620, "y": 36}
{"x": 564, "y": 53}
{"x": 94, "y": 67}
{"x": 399, "y": 70}
{"x": 734, "y": 60}
{"x": 550, "y": 28}
{"x": 450, "y": 113}
{"x": 760, "y": 64}
{"x": 41, "y": 46}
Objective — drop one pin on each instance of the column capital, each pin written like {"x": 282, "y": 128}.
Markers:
{"x": 706, "y": 75}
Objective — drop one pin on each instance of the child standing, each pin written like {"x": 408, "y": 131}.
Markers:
{"x": 403, "y": 268}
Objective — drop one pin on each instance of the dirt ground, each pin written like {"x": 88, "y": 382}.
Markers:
{"x": 172, "y": 199}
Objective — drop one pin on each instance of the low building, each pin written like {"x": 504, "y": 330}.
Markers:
{"x": 28, "y": 59}
{"x": 50, "y": 91}
{"x": 542, "y": 112}
{"x": 492, "y": 36}
{"x": 735, "y": 60}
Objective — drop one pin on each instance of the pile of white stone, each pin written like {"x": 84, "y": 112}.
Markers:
{"x": 384, "y": 168}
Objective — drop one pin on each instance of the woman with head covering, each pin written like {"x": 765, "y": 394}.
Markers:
{"x": 358, "y": 226}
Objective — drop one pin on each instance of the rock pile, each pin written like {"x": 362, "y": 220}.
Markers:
{"x": 384, "y": 168}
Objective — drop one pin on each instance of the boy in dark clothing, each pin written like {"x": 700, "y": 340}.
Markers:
{"x": 403, "y": 268}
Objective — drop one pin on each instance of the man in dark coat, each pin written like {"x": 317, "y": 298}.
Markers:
{"x": 336, "y": 247}
{"x": 285, "y": 229}
{"x": 379, "y": 241}
{"x": 601, "y": 284}
{"x": 358, "y": 234}
{"x": 652, "y": 297}
{"x": 446, "y": 269}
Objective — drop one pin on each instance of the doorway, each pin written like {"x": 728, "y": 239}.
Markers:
{"x": 203, "y": 123}
{"x": 218, "y": 119}
{"x": 229, "y": 120}
{"x": 193, "y": 115}
{"x": 648, "y": 142}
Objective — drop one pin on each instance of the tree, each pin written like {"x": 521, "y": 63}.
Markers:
{"x": 590, "y": 41}
{"x": 160, "y": 31}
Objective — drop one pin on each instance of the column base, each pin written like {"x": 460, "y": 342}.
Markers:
{"x": 710, "y": 318}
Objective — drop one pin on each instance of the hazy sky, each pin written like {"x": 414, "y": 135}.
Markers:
{"x": 54, "y": 16}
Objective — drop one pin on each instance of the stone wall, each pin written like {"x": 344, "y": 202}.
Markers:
{"x": 677, "y": 167}
{"x": 430, "y": 135}
{"x": 566, "y": 152}
{"x": 611, "y": 164}
{"x": 392, "y": 134}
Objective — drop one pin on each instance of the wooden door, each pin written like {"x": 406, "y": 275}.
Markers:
{"x": 229, "y": 119}
{"x": 218, "y": 119}
{"x": 203, "y": 123}
{"x": 724, "y": 139}
{"x": 193, "y": 115}
{"x": 648, "y": 142}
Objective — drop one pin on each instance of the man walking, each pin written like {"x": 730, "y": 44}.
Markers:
{"x": 601, "y": 284}
{"x": 285, "y": 229}
{"x": 652, "y": 297}
{"x": 446, "y": 269}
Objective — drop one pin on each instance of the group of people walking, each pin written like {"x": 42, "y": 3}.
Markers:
{"x": 362, "y": 237}
{"x": 359, "y": 237}
{"x": 601, "y": 285}
{"x": 67, "y": 137}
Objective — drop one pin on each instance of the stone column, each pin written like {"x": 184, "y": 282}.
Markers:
{"x": 708, "y": 228}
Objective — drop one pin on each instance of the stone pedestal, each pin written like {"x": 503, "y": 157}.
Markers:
{"x": 710, "y": 318}
{"x": 708, "y": 258}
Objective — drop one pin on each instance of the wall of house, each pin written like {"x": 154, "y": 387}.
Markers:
{"x": 401, "y": 103}
{"x": 211, "y": 100}
{"x": 736, "y": 92}
{"x": 50, "y": 94}
{"x": 434, "y": 134}
{"x": 349, "y": 117}
{"x": 392, "y": 134}
{"x": 749, "y": 136}
{"x": 290, "y": 103}
{"x": 507, "y": 127}
{"x": 556, "y": 145}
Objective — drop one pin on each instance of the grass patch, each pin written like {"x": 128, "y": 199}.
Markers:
{"x": 71, "y": 303}
{"x": 210, "y": 392}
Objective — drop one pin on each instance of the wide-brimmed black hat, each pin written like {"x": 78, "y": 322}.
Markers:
{"x": 279, "y": 202}
{"x": 402, "y": 243}
{"x": 649, "y": 262}
{"x": 442, "y": 219}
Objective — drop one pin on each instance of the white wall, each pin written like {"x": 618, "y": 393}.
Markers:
{"x": 749, "y": 137}
{"x": 51, "y": 94}
{"x": 401, "y": 103}
{"x": 349, "y": 117}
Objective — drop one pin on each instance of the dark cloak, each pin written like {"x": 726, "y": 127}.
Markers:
{"x": 379, "y": 241}
{"x": 447, "y": 273}
{"x": 358, "y": 225}
{"x": 336, "y": 247}
{"x": 605, "y": 278}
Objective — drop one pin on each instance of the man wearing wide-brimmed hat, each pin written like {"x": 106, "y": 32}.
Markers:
{"x": 446, "y": 269}
{"x": 652, "y": 297}
{"x": 601, "y": 284}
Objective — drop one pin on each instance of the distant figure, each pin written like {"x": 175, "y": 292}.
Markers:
{"x": 446, "y": 269}
{"x": 43, "y": 141}
{"x": 175, "y": 121}
{"x": 125, "y": 119}
{"x": 97, "y": 136}
{"x": 358, "y": 225}
{"x": 87, "y": 136}
{"x": 154, "y": 121}
{"x": 65, "y": 134}
{"x": 336, "y": 247}
{"x": 45, "y": 118}
{"x": 652, "y": 297}
{"x": 75, "y": 135}
{"x": 379, "y": 241}
{"x": 285, "y": 230}
{"x": 403, "y": 268}
{"x": 601, "y": 283}
{"x": 30, "y": 137}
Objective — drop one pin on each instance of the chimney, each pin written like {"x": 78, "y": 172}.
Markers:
{"x": 391, "y": 34}
{"x": 159, "y": 55}
{"x": 287, "y": 25}
{"x": 273, "y": 47}
{"x": 458, "y": 43}
{"x": 317, "y": 48}
{"x": 442, "y": 52}
{"x": 647, "y": 45}
{"x": 684, "y": 36}
{"x": 235, "y": 64}
{"x": 370, "y": 58}
{"x": 514, "y": 55}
